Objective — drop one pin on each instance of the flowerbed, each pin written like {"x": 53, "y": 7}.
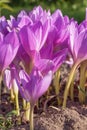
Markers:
{"x": 34, "y": 46}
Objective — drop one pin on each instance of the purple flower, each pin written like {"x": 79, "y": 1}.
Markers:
{"x": 58, "y": 34}
{"x": 78, "y": 42}
{"x": 38, "y": 14}
{"x": 28, "y": 18}
{"x": 46, "y": 62}
{"x": 22, "y": 56}
{"x": 34, "y": 37}
{"x": 3, "y": 25}
{"x": 34, "y": 85}
{"x": 17, "y": 23}
{"x": 9, "y": 45}
{"x": 9, "y": 76}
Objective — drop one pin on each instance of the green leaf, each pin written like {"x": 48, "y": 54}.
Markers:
{"x": 13, "y": 112}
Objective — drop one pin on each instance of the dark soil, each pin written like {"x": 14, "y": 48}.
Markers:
{"x": 74, "y": 117}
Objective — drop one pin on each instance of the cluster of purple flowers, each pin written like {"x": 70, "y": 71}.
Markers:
{"x": 35, "y": 44}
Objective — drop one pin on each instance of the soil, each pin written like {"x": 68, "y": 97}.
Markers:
{"x": 49, "y": 116}
{"x": 74, "y": 117}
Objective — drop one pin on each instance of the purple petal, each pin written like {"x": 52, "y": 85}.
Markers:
{"x": 58, "y": 19}
{"x": 24, "y": 78}
{"x": 22, "y": 13}
{"x": 9, "y": 48}
{"x": 45, "y": 65}
{"x": 25, "y": 20}
{"x": 28, "y": 39}
{"x": 59, "y": 58}
{"x": 42, "y": 86}
{"x": 37, "y": 30}
{"x": 73, "y": 30}
{"x": 80, "y": 46}
{"x": 45, "y": 31}
{"x": 7, "y": 78}
{"x": 35, "y": 85}
{"x": 48, "y": 49}
{"x": 1, "y": 38}
{"x": 36, "y": 13}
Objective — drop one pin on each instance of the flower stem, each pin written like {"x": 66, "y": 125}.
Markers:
{"x": 27, "y": 112}
{"x": 15, "y": 89}
{"x": 24, "y": 104}
{"x": 72, "y": 89}
{"x": 68, "y": 84}
{"x": 82, "y": 81}
{"x": 31, "y": 117}
{"x": 57, "y": 85}
{"x": 12, "y": 94}
{"x": 17, "y": 104}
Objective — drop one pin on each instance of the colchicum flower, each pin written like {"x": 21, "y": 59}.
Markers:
{"x": 78, "y": 51}
{"x": 34, "y": 85}
{"x": 11, "y": 84}
{"x": 34, "y": 45}
{"x": 34, "y": 37}
{"x": 46, "y": 54}
{"x": 9, "y": 45}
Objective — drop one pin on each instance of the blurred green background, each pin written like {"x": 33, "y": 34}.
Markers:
{"x": 72, "y": 8}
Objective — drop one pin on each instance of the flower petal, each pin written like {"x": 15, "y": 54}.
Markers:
{"x": 8, "y": 49}
{"x": 80, "y": 46}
